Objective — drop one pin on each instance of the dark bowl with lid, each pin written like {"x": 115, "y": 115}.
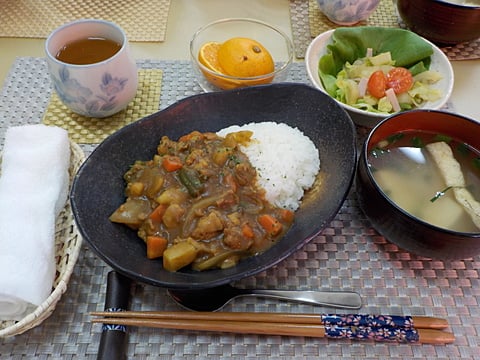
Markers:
{"x": 442, "y": 22}
{"x": 397, "y": 225}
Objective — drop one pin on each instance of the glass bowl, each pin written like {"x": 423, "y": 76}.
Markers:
{"x": 273, "y": 39}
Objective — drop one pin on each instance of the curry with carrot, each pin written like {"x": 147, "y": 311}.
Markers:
{"x": 197, "y": 203}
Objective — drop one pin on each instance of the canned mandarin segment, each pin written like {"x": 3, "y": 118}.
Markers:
{"x": 236, "y": 57}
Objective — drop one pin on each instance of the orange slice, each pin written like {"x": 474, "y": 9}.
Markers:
{"x": 208, "y": 56}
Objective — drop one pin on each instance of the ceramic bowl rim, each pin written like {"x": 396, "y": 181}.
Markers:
{"x": 456, "y": 6}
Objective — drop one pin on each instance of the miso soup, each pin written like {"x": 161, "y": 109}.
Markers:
{"x": 410, "y": 176}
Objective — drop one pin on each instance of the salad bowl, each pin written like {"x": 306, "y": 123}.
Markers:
{"x": 399, "y": 43}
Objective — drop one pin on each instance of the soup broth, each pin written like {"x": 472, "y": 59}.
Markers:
{"x": 86, "y": 51}
{"x": 407, "y": 173}
{"x": 464, "y": 2}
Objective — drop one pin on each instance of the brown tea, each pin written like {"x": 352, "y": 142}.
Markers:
{"x": 88, "y": 51}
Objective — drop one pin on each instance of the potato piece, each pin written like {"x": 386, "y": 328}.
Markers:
{"x": 135, "y": 189}
{"x": 173, "y": 215}
{"x": 239, "y": 137}
{"x": 179, "y": 255}
{"x": 221, "y": 155}
{"x": 172, "y": 196}
{"x": 234, "y": 218}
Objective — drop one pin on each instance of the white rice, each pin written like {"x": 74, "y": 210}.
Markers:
{"x": 286, "y": 160}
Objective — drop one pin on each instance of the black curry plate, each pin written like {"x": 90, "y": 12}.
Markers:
{"x": 98, "y": 188}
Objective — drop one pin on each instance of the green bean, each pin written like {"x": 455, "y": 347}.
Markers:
{"x": 190, "y": 179}
{"x": 216, "y": 260}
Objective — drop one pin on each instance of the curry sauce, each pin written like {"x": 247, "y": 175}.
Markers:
{"x": 197, "y": 203}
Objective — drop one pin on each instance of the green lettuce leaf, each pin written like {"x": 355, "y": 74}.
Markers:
{"x": 348, "y": 44}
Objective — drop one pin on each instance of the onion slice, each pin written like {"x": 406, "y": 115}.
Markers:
{"x": 362, "y": 87}
{"x": 390, "y": 94}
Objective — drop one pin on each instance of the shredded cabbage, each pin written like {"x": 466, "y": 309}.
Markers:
{"x": 346, "y": 87}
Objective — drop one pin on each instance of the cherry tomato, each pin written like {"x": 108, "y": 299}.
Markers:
{"x": 377, "y": 84}
{"x": 399, "y": 79}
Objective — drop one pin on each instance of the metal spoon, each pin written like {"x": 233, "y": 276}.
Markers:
{"x": 214, "y": 299}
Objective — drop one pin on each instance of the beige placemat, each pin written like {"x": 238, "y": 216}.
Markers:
{"x": 86, "y": 130}
{"x": 144, "y": 20}
{"x": 384, "y": 15}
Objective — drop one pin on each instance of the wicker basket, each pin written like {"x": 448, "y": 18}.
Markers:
{"x": 67, "y": 248}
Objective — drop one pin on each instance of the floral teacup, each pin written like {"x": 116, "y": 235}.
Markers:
{"x": 347, "y": 12}
{"x": 98, "y": 89}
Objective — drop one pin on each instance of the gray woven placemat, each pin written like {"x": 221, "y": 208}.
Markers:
{"x": 347, "y": 255}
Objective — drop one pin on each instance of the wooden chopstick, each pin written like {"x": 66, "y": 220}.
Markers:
{"x": 419, "y": 322}
{"x": 257, "y": 323}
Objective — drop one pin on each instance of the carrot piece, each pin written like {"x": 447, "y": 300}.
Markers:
{"x": 271, "y": 225}
{"x": 156, "y": 245}
{"x": 171, "y": 163}
{"x": 247, "y": 231}
{"x": 287, "y": 215}
{"x": 157, "y": 214}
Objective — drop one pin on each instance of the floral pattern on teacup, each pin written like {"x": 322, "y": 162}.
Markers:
{"x": 77, "y": 96}
{"x": 347, "y": 12}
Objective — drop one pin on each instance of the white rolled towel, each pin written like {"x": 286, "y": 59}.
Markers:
{"x": 33, "y": 190}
